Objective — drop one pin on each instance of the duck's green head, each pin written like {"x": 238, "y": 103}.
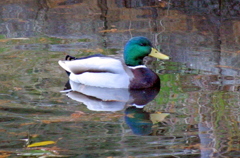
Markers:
{"x": 139, "y": 47}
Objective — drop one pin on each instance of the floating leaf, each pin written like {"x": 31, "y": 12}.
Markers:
{"x": 17, "y": 88}
{"x": 111, "y": 30}
{"x": 115, "y": 30}
{"x": 77, "y": 114}
{"x": 158, "y": 117}
{"x": 41, "y": 144}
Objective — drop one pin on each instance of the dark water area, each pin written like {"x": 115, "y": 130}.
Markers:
{"x": 195, "y": 113}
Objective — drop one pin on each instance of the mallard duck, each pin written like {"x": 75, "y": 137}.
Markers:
{"x": 109, "y": 72}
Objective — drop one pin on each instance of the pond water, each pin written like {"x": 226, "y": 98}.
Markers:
{"x": 195, "y": 113}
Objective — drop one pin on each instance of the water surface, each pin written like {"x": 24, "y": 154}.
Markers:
{"x": 194, "y": 114}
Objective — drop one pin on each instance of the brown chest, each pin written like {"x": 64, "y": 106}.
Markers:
{"x": 144, "y": 78}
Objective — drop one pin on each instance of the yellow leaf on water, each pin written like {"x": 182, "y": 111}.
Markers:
{"x": 41, "y": 144}
{"x": 158, "y": 117}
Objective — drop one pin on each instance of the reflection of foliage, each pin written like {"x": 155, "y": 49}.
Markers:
{"x": 170, "y": 93}
{"x": 196, "y": 98}
{"x": 3, "y": 50}
{"x": 223, "y": 105}
{"x": 170, "y": 88}
{"x": 2, "y": 36}
{"x": 40, "y": 40}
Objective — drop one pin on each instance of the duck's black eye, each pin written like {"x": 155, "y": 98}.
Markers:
{"x": 143, "y": 44}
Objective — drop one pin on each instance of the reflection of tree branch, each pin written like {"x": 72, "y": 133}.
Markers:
{"x": 42, "y": 10}
{"x": 129, "y": 27}
{"x": 161, "y": 24}
{"x": 41, "y": 15}
{"x": 102, "y": 4}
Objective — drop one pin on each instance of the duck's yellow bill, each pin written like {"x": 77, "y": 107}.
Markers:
{"x": 155, "y": 53}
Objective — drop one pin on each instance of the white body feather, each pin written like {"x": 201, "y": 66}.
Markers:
{"x": 99, "y": 72}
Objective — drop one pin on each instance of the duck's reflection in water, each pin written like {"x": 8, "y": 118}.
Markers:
{"x": 110, "y": 99}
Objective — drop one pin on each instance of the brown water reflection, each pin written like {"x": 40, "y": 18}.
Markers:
{"x": 197, "y": 107}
